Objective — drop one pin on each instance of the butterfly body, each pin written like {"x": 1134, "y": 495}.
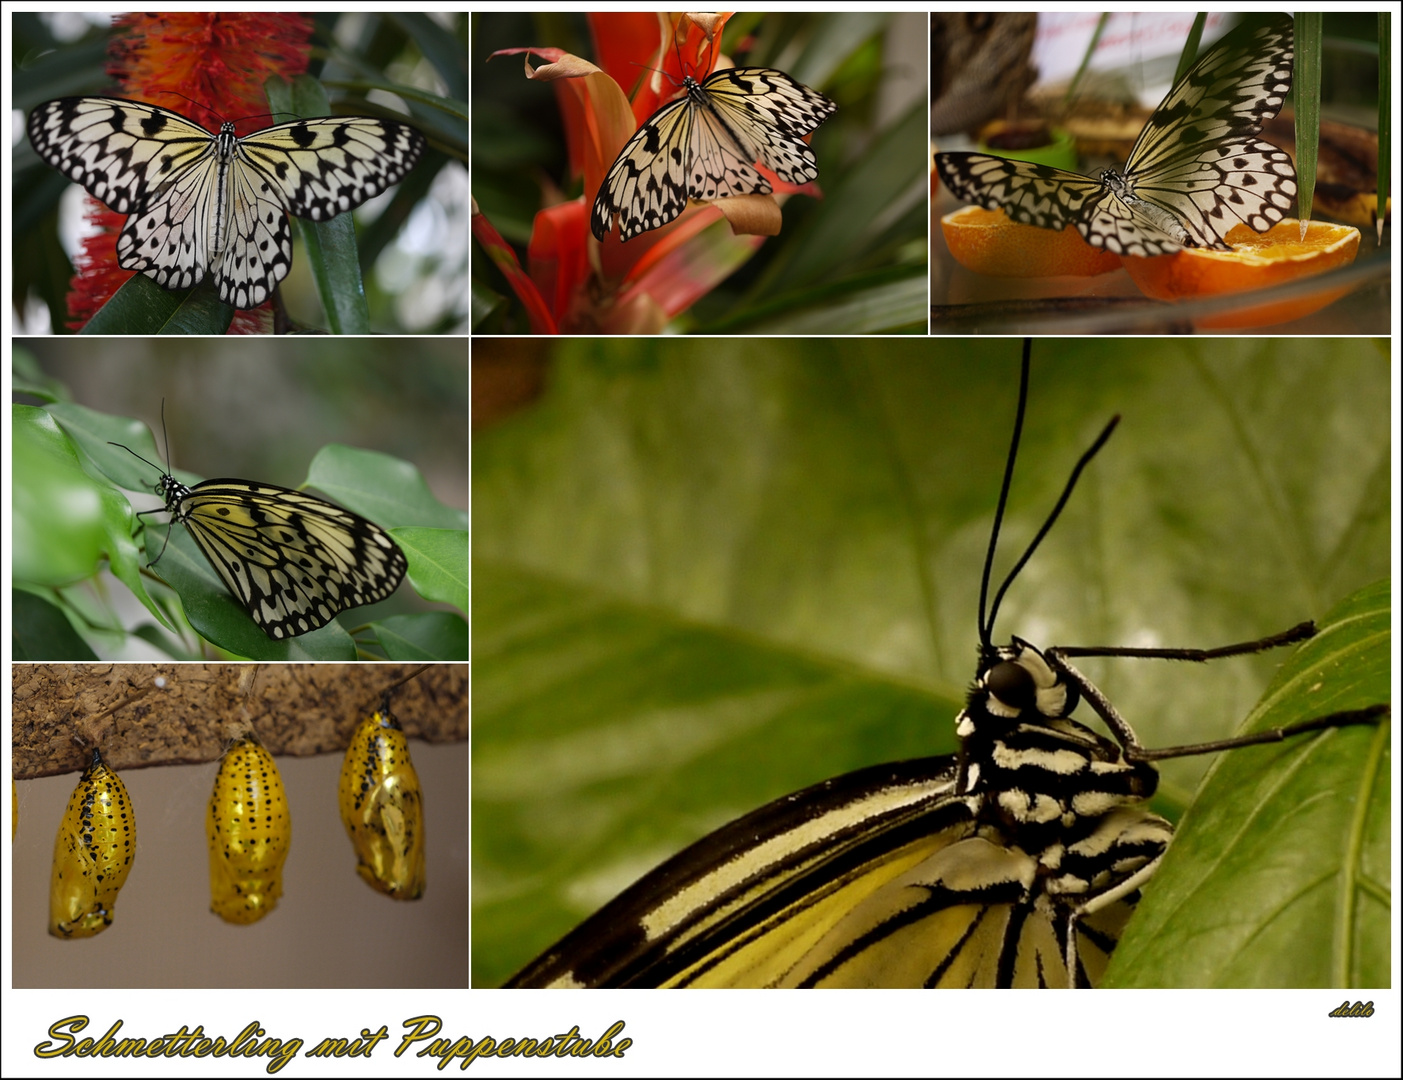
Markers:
{"x": 704, "y": 146}
{"x": 1195, "y": 171}
{"x": 946, "y": 871}
{"x": 1017, "y": 862}
{"x": 217, "y": 205}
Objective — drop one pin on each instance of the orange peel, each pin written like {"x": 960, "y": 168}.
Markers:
{"x": 988, "y": 242}
{"x": 1256, "y": 261}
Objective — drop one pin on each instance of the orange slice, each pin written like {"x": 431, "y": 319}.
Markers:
{"x": 1256, "y": 261}
{"x": 987, "y": 242}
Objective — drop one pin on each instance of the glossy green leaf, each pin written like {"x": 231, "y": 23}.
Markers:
{"x": 1279, "y": 875}
{"x": 438, "y": 563}
{"x": 430, "y": 635}
{"x": 66, "y": 520}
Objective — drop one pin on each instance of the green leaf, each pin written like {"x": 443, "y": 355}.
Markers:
{"x": 387, "y": 490}
{"x": 1279, "y": 875}
{"x": 706, "y": 574}
{"x": 141, "y": 306}
{"x": 41, "y": 631}
{"x": 66, "y": 521}
{"x": 1306, "y": 77}
{"x": 431, "y": 635}
{"x": 438, "y": 563}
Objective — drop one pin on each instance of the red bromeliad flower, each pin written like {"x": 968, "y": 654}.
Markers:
{"x": 204, "y": 65}
{"x": 574, "y": 284}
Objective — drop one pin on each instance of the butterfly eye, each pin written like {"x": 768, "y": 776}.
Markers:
{"x": 93, "y": 854}
{"x": 1012, "y": 686}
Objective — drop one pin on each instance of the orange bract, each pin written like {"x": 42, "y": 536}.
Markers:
{"x": 987, "y": 242}
{"x": 1256, "y": 261}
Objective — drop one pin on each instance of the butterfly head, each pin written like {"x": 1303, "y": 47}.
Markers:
{"x": 171, "y": 490}
{"x": 1016, "y": 682}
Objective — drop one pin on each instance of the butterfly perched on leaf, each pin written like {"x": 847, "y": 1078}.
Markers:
{"x": 216, "y": 205}
{"x": 1015, "y": 863}
{"x": 704, "y": 145}
{"x": 292, "y": 560}
{"x": 1196, "y": 170}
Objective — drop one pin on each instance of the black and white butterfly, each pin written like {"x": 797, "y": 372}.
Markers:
{"x": 292, "y": 560}
{"x": 1196, "y": 170}
{"x": 217, "y": 204}
{"x": 704, "y": 146}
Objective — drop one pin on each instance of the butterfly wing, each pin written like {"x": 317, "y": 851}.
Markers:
{"x": 294, "y": 561}
{"x": 201, "y": 203}
{"x": 123, "y": 153}
{"x": 647, "y": 184}
{"x": 252, "y": 249}
{"x": 705, "y": 145}
{"x": 766, "y": 114}
{"x": 1197, "y": 158}
{"x": 1033, "y": 194}
{"x": 144, "y": 161}
{"x": 882, "y": 877}
{"x": 715, "y": 912}
{"x": 323, "y": 167}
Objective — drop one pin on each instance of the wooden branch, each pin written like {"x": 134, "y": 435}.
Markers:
{"x": 141, "y": 715}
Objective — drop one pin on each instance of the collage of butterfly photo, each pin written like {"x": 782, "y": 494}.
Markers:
{"x": 949, "y": 547}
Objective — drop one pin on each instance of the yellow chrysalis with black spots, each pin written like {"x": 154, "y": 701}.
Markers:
{"x": 382, "y": 808}
{"x": 249, "y": 829}
{"x": 93, "y": 854}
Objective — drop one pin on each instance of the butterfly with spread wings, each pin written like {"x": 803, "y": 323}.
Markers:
{"x": 217, "y": 205}
{"x": 1196, "y": 170}
{"x": 705, "y": 144}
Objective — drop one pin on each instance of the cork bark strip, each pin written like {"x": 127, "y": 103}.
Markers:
{"x": 178, "y": 714}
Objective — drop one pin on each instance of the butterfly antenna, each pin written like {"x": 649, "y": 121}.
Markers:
{"x": 134, "y": 454}
{"x": 987, "y": 630}
{"x": 165, "y": 435}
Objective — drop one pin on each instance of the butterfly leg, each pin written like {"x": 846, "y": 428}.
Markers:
{"x": 1097, "y": 903}
{"x": 1136, "y": 751}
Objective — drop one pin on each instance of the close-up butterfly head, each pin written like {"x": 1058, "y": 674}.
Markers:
{"x": 698, "y": 143}
{"x": 1016, "y": 862}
